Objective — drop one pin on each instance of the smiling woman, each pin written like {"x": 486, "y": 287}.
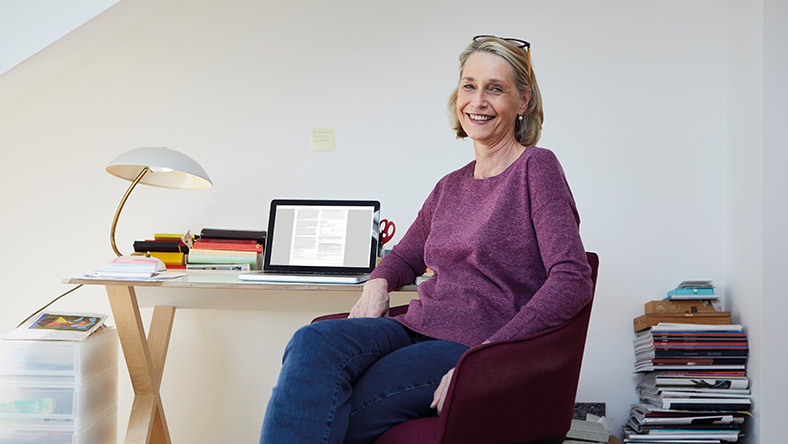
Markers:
{"x": 516, "y": 68}
{"x": 502, "y": 237}
{"x": 489, "y": 105}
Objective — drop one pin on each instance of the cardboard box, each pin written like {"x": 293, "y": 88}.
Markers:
{"x": 682, "y": 306}
{"x": 651, "y": 319}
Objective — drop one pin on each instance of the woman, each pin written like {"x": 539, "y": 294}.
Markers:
{"x": 501, "y": 235}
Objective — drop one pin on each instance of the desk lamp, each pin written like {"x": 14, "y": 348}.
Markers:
{"x": 157, "y": 166}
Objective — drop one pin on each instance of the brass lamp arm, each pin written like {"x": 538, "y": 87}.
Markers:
{"x": 120, "y": 207}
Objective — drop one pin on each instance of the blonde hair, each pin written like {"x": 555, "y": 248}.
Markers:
{"x": 528, "y": 130}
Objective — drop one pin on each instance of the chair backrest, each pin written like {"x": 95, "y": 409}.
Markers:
{"x": 519, "y": 390}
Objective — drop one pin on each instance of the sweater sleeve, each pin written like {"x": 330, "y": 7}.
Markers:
{"x": 555, "y": 220}
{"x": 406, "y": 260}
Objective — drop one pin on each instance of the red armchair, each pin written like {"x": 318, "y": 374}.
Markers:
{"x": 518, "y": 391}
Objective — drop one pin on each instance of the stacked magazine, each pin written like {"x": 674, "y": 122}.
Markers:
{"x": 132, "y": 268}
{"x": 691, "y": 346}
{"x": 694, "y": 388}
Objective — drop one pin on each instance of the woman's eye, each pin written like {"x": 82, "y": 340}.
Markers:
{"x": 468, "y": 86}
{"x": 496, "y": 89}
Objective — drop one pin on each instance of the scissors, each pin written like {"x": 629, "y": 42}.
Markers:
{"x": 387, "y": 230}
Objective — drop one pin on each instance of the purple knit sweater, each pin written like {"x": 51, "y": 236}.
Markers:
{"x": 506, "y": 252}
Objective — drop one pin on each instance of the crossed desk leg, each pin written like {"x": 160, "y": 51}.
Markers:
{"x": 145, "y": 361}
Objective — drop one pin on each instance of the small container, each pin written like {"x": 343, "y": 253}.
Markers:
{"x": 58, "y": 398}
{"x": 103, "y": 429}
{"x": 59, "y": 391}
{"x": 81, "y": 360}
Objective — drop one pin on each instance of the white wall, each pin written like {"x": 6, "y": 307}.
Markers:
{"x": 775, "y": 262}
{"x": 757, "y": 210}
{"x": 636, "y": 110}
{"x": 744, "y": 218}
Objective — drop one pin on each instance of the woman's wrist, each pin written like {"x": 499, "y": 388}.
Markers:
{"x": 378, "y": 288}
{"x": 377, "y": 284}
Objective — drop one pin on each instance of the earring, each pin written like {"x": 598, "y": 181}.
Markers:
{"x": 520, "y": 117}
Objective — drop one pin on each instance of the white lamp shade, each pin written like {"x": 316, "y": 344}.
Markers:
{"x": 168, "y": 168}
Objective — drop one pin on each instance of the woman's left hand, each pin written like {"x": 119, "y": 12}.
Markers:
{"x": 439, "y": 397}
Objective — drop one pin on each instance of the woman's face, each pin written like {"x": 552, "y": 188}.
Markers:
{"x": 488, "y": 101}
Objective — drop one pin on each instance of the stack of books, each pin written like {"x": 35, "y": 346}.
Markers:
{"x": 694, "y": 387}
{"x": 678, "y": 346}
{"x": 657, "y": 426}
{"x": 172, "y": 249}
{"x": 222, "y": 249}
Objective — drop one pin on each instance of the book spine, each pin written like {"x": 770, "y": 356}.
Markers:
{"x": 170, "y": 236}
{"x": 220, "y": 233}
{"x": 231, "y": 267}
{"x": 673, "y": 353}
{"x": 223, "y": 259}
{"x": 702, "y": 382}
{"x": 211, "y": 240}
{"x": 717, "y": 404}
{"x": 691, "y": 291}
{"x": 705, "y": 344}
{"x": 705, "y": 374}
{"x": 163, "y": 246}
{"x": 198, "y": 252}
{"x": 254, "y": 246}
{"x": 707, "y": 339}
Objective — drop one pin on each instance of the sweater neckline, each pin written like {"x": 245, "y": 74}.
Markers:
{"x": 503, "y": 173}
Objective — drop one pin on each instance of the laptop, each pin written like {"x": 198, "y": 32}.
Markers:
{"x": 320, "y": 241}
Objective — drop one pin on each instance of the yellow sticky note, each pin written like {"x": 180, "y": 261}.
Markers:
{"x": 323, "y": 139}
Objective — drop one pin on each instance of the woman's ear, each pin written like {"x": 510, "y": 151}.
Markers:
{"x": 525, "y": 99}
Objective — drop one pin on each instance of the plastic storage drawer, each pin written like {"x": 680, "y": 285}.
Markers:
{"x": 57, "y": 398}
{"x": 83, "y": 360}
{"x": 103, "y": 430}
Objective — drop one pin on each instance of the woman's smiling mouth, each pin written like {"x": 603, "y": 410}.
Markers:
{"x": 480, "y": 117}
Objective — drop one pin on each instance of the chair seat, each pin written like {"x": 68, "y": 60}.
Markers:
{"x": 415, "y": 431}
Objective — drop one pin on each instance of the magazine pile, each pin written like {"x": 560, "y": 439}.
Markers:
{"x": 133, "y": 268}
{"x": 694, "y": 387}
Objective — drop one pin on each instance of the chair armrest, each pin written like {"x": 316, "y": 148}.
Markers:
{"x": 393, "y": 311}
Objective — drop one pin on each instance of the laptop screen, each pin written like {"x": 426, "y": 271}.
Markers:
{"x": 322, "y": 235}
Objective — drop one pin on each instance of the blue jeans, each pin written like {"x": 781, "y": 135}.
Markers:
{"x": 349, "y": 380}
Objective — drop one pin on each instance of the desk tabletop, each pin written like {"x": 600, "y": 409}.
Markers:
{"x": 222, "y": 279}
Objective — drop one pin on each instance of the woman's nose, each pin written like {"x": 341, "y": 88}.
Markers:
{"x": 480, "y": 99}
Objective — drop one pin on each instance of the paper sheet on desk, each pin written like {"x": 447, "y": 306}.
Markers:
{"x": 163, "y": 276}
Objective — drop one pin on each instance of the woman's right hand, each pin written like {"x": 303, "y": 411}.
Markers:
{"x": 374, "y": 300}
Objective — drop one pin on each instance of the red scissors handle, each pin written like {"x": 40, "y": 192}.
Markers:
{"x": 387, "y": 230}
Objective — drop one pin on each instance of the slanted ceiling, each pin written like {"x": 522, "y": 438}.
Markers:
{"x": 28, "y": 26}
{"x": 77, "y": 35}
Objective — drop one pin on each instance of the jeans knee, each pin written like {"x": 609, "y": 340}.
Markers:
{"x": 306, "y": 334}
{"x": 307, "y": 339}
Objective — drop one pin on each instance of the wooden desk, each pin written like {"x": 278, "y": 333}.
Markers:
{"x": 145, "y": 356}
